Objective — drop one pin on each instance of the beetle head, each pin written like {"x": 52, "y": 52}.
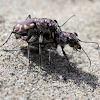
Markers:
{"x": 72, "y": 40}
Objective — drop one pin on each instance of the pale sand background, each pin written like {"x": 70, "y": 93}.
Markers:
{"x": 56, "y": 82}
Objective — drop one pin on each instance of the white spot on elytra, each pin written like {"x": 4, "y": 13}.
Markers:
{"x": 18, "y": 25}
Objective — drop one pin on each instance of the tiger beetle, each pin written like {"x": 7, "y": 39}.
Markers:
{"x": 43, "y": 31}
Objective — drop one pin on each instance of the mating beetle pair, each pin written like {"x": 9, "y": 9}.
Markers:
{"x": 42, "y": 31}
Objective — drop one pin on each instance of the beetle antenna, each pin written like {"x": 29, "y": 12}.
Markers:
{"x": 6, "y": 40}
{"x": 89, "y": 42}
{"x": 11, "y": 50}
{"x": 87, "y": 56}
{"x": 67, "y": 20}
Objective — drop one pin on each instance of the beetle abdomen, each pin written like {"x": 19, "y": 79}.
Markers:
{"x": 22, "y": 26}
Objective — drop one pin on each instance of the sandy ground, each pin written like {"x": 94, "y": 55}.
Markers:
{"x": 57, "y": 81}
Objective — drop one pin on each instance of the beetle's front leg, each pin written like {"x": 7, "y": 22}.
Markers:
{"x": 65, "y": 55}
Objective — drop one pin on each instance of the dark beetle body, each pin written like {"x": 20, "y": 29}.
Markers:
{"x": 36, "y": 26}
{"x": 30, "y": 30}
{"x": 71, "y": 39}
{"x": 40, "y": 24}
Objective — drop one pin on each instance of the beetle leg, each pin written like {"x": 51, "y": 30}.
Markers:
{"x": 50, "y": 56}
{"x": 32, "y": 39}
{"x": 40, "y": 55}
{"x": 29, "y": 16}
{"x": 40, "y": 50}
{"x": 65, "y": 55}
{"x": 28, "y": 48}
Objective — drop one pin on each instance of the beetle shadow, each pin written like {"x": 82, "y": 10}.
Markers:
{"x": 60, "y": 66}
